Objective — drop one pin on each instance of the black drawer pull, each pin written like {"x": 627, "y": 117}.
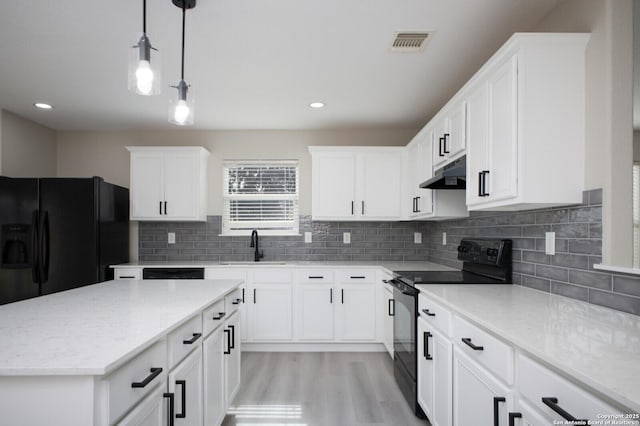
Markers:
{"x": 342, "y": 296}
{"x": 496, "y": 409}
{"x": 552, "y": 403}
{"x": 236, "y": 301}
{"x": 428, "y": 313}
{"x": 467, "y": 341}
{"x": 513, "y": 417}
{"x": 129, "y": 277}
{"x": 243, "y": 295}
{"x": 155, "y": 372}
{"x": 358, "y": 277}
{"x": 171, "y": 404}
{"x": 254, "y": 295}
{"x": 316, "y": 277}
{"x": 331, "y": 295}
{"x": 191, "y": 341}
{"x": 426, "y": 336}
{"x": 182, "y": 415}
{"x": 220, "y": 316}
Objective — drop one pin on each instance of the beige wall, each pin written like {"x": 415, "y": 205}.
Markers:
{"x": 28, "y": 149}
{"x": 608, "y": 110}
{"x": 104, "y": 153}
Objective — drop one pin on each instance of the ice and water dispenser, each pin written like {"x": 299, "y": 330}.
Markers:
{"x": 15, "y": 245}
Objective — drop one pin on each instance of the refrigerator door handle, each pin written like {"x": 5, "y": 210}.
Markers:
{"x": 44, "y": 248}
{"x": 35, "y": 247}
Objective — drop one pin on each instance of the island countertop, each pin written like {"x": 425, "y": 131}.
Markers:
{"x": 92, "y": 330}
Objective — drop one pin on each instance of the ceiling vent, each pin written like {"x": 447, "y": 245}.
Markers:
{"x": 410, "y": 41}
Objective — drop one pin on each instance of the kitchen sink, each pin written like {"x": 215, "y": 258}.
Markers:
{"x": 262, "y": 262}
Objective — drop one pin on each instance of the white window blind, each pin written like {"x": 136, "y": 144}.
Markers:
{"x": 636, "y": 215}
{"x": 261, "y": 195}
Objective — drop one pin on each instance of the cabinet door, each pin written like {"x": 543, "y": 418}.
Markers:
{"x": 424, "y": 202}
{"x": 389, "y": 312}
{"x": 478, "y": 398}
{"x": 147, "y": 184}
{"x": 333, "y": 185}
{"x": 151, "y": 411}
{"x": 502, "y": 181}
{"x": 181, "y": 185}
{"x": 413, "y": 155}
{"x": 477, "y": 142}
{"x": 457, "y": 139}
{"x": 232, "y": 359}
{"x": 314, "y": 311}
{"x": 380, "y": 181}
{"x": 214, "y": 375}
{"x": 426, "y": 377}
{"x": 356, "y": 312}
{"x": 271, "y": 312}
{"x": 440, "y": 136}
{"x": 185, "y": 382}
{"x": 441, "y": 349}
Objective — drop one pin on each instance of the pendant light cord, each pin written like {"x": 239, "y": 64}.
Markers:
{"x": 144, "y": 16}
{"x": 183, "y": 23}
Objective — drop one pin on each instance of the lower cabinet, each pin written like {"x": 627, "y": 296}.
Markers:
{"x": 478, "y": 397}
{"x": 388, "y": 311}
{"x": 356, "y": 310}
{"x": 213, "y": 348}
{"x": 270, "y": 312}
{"x": 314, "y": 312}
{"x": 231, "y": 353}
{"x": 185, "y": 383}
{"x": 150, "y": 412}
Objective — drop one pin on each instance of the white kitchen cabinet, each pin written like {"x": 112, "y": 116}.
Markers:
{"x": 525, "y": 415}
{"x": 271, "y": 305}
{"x": 214, "y": 377}
{"x": 232, "y": 365}
{"x": 234, "y": 274}
{"x": 356, "y": 183}
{"x": 168, "y": 183}
{"x": 478, "y": 397}
{"x": 185, "y": 382}
{"x": 356, "y": 306}
{"x": 388, "y": 310}
{"x": 150, "y": 412}
{"x": 449, "y": 134}
{"x": 314, "y": 311}
{"x": 526, "y": 124}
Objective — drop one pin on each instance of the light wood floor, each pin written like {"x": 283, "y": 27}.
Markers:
{"x": 309, "y": 389}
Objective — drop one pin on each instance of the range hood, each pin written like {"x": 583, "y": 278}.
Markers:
{"x": 450, "y": 176}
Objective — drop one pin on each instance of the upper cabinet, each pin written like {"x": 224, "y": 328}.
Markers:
{"x": 526, "y": 124}
{"x": 356, "y": 183}
{"x": 168, "y": 183}
{"x": 448, "y": 134}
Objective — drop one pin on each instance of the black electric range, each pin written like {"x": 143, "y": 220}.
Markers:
{"x": 485, "y": 261}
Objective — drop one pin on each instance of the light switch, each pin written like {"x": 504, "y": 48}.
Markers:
{"x": 172, "y": 238}
{"x": 307, "y": 237}
{"x": 346, "y": 237}
{"x": 417, "y": 237}
{"x": 550, "y": 243}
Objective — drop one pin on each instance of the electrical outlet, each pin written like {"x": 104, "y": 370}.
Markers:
{"x": 346, "y": 237}
{"x": 171, "y": 238}
{"x": 444, "y": 238}
{"x": 307, "y": 237}
{"x": 417, "y": 237}
{"x": 550, "y": 243}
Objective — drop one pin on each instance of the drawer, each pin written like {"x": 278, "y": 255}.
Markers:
{"x": 184, "y": 339}
{"x": 146, "y": 371}
{"x": 127, "y": 274}
{"x": 232, "y": 301}
{"x": 494, "y": 354}
{"x": 356, "y": 276}
{"x": 536, "y": 381}
{"x": 213, "y": 317}
{"x": 271, "y": 276}
{"x": 435, "y": 314}
{"x": 314, "y": 276}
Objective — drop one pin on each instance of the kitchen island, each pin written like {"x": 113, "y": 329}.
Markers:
{"x": 63, "y": 356}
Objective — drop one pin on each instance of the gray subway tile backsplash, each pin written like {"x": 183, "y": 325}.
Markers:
{"x": 569, "y": 273}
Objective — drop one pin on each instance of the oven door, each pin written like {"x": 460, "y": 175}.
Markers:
{"x": 404, "y": 326}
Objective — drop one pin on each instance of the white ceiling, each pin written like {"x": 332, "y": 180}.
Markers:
{"x": 252, "y": 64}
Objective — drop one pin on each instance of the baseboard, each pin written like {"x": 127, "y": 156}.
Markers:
{"x": 313, "y": 347}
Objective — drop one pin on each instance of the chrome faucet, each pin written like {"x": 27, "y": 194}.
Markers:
{"x": 257, "y": 254}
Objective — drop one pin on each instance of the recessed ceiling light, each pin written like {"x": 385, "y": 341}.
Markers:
{"x": 42, "y": 105}
{"x": 316, "y": 104}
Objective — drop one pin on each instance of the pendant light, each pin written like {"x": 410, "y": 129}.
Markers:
{"x": 181, "y": 110}
{"x": 144, "y": 70}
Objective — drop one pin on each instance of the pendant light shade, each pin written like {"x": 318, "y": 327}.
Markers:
{"x": 144, "y": 63}
{"x": 181, "y": 110}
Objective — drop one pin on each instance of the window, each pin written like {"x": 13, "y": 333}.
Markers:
{"x": 261, "y": 195}
{"x": 636, "y": 215}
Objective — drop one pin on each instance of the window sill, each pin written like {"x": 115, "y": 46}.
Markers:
{"x": 619, "y": 269}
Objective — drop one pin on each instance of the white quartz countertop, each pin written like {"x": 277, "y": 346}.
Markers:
{"x": 91, "y": 330}
{"x": 597, "y": 346}
{"x": 389, "y": 266}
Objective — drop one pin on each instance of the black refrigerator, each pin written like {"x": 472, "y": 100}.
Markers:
{"x": 59, "y": 233}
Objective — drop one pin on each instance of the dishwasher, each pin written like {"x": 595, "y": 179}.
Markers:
{"x": 173, "y": 273}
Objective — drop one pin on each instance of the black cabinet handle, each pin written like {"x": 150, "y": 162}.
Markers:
{"x": 496, "y": 409}
{"x": 165, "y": 207}
{"x": 552, "y": 403}
{"x": 413, "y": 208}
{"x": 392, "y": 303}
{"x": 363, "y": 207}
{"x": 191, "y": 341}
{"x": 233, "y": 337}
{"x": 342, "y": 296}
{"x": 467, "y": 341}
{"x": 254, "y": 295}
{"x": 446, "y": 139}
{"x": 483, "y": 183}
{"x": 358, "y": 277}
{"x": 316, "y": 277}
{"x": 331, "y": 295}
{"x": 417, "y": 204}
{"x": 228, "y": 333}
{"x": 236, "y": 301}
{"x": 513, "y": 417}
{"x": 171, "y": 404}
{"x": 352, "y": 208}
{"x": 155, "y": 372}
{"x": 440, "y": 153}
{"x": 183, "y": 407}
{"x": 480, "y": 175}
{"x": 129, "y": 277}
{"x": 243, "y": 295}
{"x": 160, "y": 207}
{"x": 428, "y": 313}
{"x": 219, "y": 317}
{"x": 426, "y": 345}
